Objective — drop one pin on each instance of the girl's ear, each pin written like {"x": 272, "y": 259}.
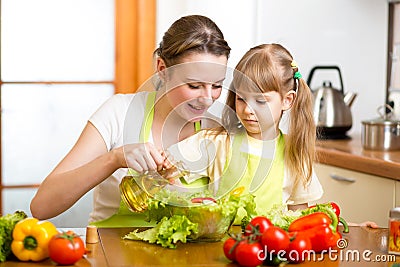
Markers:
{"x": 161, "y": 67}
{"x": 288, "y": 100}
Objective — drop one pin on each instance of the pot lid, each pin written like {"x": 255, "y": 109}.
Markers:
{"x": 381, "y": 121}
{"x": 385, "y": 118}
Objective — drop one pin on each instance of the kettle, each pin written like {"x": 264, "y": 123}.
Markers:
{"x": 332, "y": 112}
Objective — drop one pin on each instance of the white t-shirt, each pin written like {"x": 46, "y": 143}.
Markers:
{"x": 119, "y": 121}
{"x": 109, "y": 120}
{"x": 207, "y": 155}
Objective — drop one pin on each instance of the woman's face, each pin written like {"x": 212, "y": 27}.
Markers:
{"x": 193, "y": 85}
{"x": 260, "y": 113}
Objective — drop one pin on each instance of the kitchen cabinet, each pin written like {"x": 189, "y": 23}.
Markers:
{"x": 362, "y": 197}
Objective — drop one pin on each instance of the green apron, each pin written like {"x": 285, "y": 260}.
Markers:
{"x": 124, "y": 217}
{"x": 260, "y": 176}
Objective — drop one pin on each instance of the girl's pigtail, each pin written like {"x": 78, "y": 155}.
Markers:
{"x": 302, "y": 132}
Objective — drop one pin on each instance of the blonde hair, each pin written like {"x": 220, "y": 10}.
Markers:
{"x": 191, "y": 34}
{"x": 267, "y": 67}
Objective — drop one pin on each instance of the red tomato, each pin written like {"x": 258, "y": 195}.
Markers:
{"x": 230, "y": 248}
{"x": 299, "y": 248}
{"x": 66, "y": 248}
{"x": 260, "y": 222}
{"x": 249, "y": 254}
{"x": 275, "y": 239}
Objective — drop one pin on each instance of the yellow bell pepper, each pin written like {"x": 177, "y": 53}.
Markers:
{"x": 237, "y": 191}
{"x": 31, "y": 239}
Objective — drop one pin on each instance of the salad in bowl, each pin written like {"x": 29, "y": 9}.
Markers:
{"x": 183, "y": 216}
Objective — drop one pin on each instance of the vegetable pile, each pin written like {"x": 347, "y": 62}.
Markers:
{"x": 29, "y": 239}
{"x": 34, "y": 240}
{"x": 289, "y": 239}
{"x": 190, "y": 216}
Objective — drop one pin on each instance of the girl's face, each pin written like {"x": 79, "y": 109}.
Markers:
{"x": 260, "y": 113}
{"x": 193, "y": 86}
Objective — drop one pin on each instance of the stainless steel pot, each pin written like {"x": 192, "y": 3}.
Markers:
{"x": 382, "y": 133}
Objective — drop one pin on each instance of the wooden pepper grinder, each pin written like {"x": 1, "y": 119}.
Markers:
{"x": 92, "y": 236}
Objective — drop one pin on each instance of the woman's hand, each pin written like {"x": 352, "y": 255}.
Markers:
{"x": 142, "y": 157}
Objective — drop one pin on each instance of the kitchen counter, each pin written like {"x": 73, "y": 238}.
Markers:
{"x": 363, "y": 247}
{"x": 349, "y": 154}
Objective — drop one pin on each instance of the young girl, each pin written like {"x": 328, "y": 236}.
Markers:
{"x": 251, "y": 152}
{"x": 130, "y": 130}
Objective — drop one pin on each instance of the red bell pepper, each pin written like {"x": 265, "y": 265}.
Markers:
{"x": 310, "y": 221}
{"x": 333, "y": 210}
{"x": 319, "y": 229}
{"x": 322, "y": 237}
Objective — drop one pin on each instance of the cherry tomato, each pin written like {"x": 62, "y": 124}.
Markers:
{"x": 260, "y": 222}
{"x": 66, "y": 248}
{"x": 299, "y": 248}
{"x": 230, "y": 248}
{"x": 275, "y": 239}
{"x": 249, "y": 254}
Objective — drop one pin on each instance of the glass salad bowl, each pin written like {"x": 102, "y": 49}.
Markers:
{"x": 213, "y": 217}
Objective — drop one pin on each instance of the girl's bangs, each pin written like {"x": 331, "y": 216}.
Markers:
{"x": 256, "y": 80}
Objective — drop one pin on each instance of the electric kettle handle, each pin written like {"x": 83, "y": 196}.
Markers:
{"x": 325, "y": 68}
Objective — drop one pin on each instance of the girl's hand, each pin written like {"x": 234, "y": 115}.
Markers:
{"x": 142, "y": 157}
{"x": 366, "y": 223}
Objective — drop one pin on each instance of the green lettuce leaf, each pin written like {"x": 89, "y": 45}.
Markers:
{"x": 168, "y": 232}
{"x": 280, "y": 216}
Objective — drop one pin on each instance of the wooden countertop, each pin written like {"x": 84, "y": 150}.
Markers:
{"x": 365, "y": 247}
{"x": 349, "y": 154}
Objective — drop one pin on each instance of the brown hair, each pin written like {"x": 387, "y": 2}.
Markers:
{"x": 268, "y": 67}
{"x": 191, "y": 34}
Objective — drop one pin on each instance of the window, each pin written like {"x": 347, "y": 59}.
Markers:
{"x": 58, "y": 64}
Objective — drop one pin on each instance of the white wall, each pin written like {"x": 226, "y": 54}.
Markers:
{"x": 351, "y": 34}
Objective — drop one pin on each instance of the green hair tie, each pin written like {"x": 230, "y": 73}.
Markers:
{"x": 297, "y": 75}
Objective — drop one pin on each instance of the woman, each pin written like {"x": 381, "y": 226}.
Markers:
{"x": 131, "y": 130}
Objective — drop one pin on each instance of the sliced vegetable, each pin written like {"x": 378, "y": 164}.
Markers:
{"x": 66, "y": 248}
{"x": 31, "y": 238}
{"x": 237, "y": 191}
{"x": 203, "y": 200}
